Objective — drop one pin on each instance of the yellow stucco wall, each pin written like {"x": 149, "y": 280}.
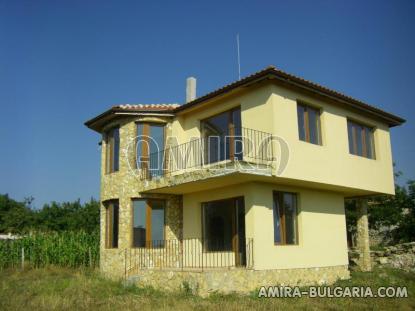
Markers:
{"x": 332, "y": 163}
{"x": 273, "y": 109}
{"x": 321, "y": 225}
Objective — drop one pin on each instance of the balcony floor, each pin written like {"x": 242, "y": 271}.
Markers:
{"x": 208, "y": 178}
{"x": 235, "y": 173}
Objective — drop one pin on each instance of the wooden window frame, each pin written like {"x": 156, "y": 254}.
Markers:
{"x": 109, "y": 220}
{"x": 278, "y": 195}
{"x": 149, "y": 209}
{"x": 365, "y": 129}
{"x": 306, "y": 125}
{"x": 145, "y": 150}
{"x": 231, "y": 128}
{"x": 109, "y": 151}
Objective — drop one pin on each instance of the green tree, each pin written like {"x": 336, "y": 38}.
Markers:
{"x": 69, "y": 216}
{"x": 19, "y": 217}
{"x": 395, "y": 212}
{"x": 405, "y": 232}
{"x": 15, "y": 217}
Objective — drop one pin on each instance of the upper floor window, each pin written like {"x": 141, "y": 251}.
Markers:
{"x": 111, "y": 224}
{"x": 150, "y": 147}
{"x": 112, "y": 150}
{"x": 222, "y": 136}
{"x": 285, "y": 218}
{"x": 148, "y": 223}
{"x": 361, "y": 141}
{"x": 309, "y": 124}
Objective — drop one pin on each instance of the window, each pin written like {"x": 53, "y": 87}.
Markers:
{"x": 150, "y": 147}
{"x": 222, "y": 136}
{"x": 224, "y": 225}
{"x": 111, "y": 224}
{"x": 309, "y": 124}
{"x": 112, "y": 150}
{"x": 148, "y": 223}
{"x": 285, "y": 218}
{"x": 360, "y": 140}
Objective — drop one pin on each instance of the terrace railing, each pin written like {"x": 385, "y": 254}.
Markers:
{"x": 190, "y": 254}
{"x": 239, "y": 144}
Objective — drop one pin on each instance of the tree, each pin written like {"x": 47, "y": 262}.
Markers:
{"x": 15, "y": 217}
{"x": 405, "y": 232}
{"x": 396, "y": 213}
{"x": 69, "y": 216}
{"x": 19, "y": 217}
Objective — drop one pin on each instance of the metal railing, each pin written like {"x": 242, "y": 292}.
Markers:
{"x": 190, "y": 254}
{"x": 239, "y": 144}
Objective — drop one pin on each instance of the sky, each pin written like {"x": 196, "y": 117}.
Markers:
{"x": 64, "y": 62}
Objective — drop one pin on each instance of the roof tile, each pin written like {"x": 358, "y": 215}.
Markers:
{"x": 147, "y": 107}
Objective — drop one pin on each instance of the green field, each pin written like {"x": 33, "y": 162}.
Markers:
{"x": 57, "y": 288}
{"x": 66, "y": 249}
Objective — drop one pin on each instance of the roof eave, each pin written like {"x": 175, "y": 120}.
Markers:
{"x": 96, "y": 123}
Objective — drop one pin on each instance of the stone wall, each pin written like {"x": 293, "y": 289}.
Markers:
{"x": 381, "y": 236}
{"x": 112, "y": 261}
{"x": 236, "y": 280}
{"x": 400, "y": 256}
{"x": 124, "y": 186}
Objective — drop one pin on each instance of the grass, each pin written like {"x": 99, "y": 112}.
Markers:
{"x": 56, "y": 288}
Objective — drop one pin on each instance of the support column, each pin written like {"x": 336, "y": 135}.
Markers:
{"x": 174, "y": 217}
{"x": 363, "y": 236}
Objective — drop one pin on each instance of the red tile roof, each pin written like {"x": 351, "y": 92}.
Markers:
{"x": 288, "y": 79}
{"x": 269, "y": 73}
{"x": 148, "y": 107}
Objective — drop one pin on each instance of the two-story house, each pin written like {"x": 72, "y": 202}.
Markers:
{"x": 242, "y": 187}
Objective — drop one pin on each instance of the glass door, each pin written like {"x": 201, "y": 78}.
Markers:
{"x": 224, "y": 228}
{"x": 221, "y": 136}
{"x": 150, "y": 149}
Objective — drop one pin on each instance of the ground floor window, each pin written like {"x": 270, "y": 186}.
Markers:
{"x": 111, "y": 223}
{"x": 285, "y": 218}
{"x": 148, "y": 223}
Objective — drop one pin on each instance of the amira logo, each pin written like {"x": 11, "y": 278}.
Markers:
{"x": 333, "y": 292}
{"x": 279, "y": 292}
{"x": 146, "y": 159}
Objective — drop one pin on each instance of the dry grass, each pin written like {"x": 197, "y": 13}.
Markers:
{"x": 69, "y": 289}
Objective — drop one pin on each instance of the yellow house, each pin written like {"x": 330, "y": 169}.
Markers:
{"x": 242, "y": 187}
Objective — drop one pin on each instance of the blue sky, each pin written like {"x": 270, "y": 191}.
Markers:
{"x": 63, "y": 62}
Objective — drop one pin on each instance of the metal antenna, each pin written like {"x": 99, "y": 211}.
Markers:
{"x": 239, "y": 56}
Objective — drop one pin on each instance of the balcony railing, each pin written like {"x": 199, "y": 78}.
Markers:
{"x": 239, "y": 144}
{"x": 190, "y": 254}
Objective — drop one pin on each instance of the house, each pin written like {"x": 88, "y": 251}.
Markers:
{"x": 242, "y": 187}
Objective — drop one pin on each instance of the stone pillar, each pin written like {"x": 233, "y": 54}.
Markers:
{"x": 363, "y": 236}
{"x": 174, "y": 218}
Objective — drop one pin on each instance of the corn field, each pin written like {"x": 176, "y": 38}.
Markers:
{"x": 69, "y": 249}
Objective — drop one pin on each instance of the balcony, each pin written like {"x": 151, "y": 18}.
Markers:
{"x": 194, "y": 254}
{"x": 241, "y": 150}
